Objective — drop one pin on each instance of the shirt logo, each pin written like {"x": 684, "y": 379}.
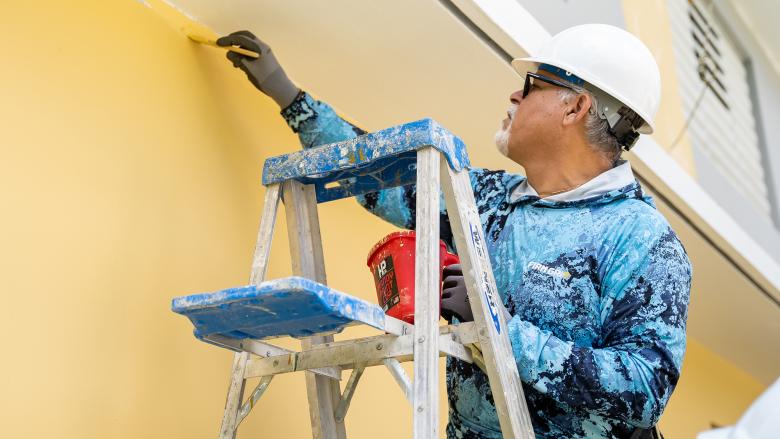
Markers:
{"x": 554, "y": 272}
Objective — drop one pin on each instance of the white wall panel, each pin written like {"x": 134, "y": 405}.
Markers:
{"x": 725, "y": 134}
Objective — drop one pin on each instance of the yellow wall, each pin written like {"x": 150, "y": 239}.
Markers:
{"x": 130, "y": 174}
{"x": 711, "y": 391}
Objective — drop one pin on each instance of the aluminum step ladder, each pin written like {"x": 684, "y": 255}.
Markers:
{"x": 244, "y": 319}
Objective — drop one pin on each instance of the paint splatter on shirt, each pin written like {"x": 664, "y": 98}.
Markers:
{"x": 598, "y": 289}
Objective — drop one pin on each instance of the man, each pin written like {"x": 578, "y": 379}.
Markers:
{"x": 595, "y": 279}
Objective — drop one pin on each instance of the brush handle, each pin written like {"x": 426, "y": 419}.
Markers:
{"x": 211, "y": 41}
{"x": 242, "y": 51}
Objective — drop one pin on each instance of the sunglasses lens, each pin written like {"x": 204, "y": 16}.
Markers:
{"x": 526, "y": 86}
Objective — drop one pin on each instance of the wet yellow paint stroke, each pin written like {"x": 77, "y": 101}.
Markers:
{"x": 189, "y": 26}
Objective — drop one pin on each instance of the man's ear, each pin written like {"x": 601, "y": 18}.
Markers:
{"x": 576, "y": 109}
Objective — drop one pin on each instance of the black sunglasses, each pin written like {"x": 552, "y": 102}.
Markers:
{"x": 529, "y": 83}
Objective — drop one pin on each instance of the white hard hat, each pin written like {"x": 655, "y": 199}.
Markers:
{"x": 608, "y": 58}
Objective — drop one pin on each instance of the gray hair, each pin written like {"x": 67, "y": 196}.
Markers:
{"x": 596, "y": 129}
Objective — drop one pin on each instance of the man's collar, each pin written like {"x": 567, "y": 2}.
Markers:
{"x": 616, "y": 178}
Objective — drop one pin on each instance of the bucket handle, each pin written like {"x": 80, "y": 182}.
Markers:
{"x": 450, "y": 259}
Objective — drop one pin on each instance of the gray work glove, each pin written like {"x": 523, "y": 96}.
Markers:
{"x": 454, "y": 300}
{"x": 264, "y": 72}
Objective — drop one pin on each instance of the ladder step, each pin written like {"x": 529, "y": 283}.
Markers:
{"x": 291, "y": 306}
{"x": 367, "y": 163}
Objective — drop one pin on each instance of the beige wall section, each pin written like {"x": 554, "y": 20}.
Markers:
{"x": 130, "y": 171}
{"x": 130, "y": 174}
{"x": 711, "y": 391}
{"x": 649, "y": 20}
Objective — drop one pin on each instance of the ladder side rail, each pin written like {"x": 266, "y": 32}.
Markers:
{"x": 426, "y": 303}
{"x": 265, "y": 233}
{"x": 308, "y": 261}
{"x": 234, "y": 397}
{"x": 485, "y": 303}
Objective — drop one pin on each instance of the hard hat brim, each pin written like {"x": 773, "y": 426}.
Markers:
{"x": 530, "y": 64}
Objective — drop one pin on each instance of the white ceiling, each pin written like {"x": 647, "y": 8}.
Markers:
{"x": 384, "y": 63}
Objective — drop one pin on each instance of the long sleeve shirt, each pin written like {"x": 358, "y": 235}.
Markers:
{"x": 596, "y": 281}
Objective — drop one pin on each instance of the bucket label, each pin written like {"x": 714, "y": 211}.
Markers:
{"x": 386, "y": 283}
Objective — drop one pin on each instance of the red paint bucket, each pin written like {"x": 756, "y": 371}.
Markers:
{"x": 391, "y": 261}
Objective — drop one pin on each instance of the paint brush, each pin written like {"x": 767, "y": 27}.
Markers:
{"x": 211, "y": 42}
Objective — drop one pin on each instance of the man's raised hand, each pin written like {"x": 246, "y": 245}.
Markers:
{"x": 264, "y": 72}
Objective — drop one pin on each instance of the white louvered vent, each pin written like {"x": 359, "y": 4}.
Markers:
{"x": 711, "y": 70}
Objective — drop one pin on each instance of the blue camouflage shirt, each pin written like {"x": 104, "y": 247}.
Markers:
{"x": 598, "y": 289}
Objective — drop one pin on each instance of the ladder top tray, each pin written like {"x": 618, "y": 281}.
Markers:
{"x": 366, "y": 163}
{"x": 292, "y": 306}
